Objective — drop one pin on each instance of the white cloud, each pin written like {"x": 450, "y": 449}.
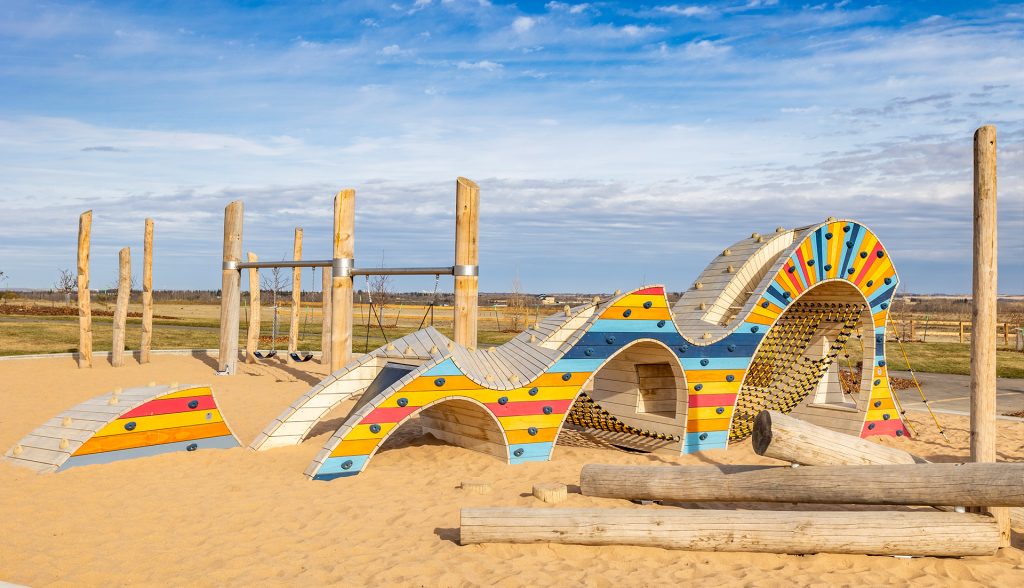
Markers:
{"x": 482, "y": 65}
{"x": 394, "y": 51}
{"x": 696, "y": 10}
{"x": 705, "y": 49}
{"x": 523, "y": 24}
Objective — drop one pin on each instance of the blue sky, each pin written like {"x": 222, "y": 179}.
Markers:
{"x": 615, "y": 143}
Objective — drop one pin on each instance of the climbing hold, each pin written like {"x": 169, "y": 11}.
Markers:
{"x": 698, "y": 387}
{"x": 503, "y": 400}
{"x": 755, "y": 235}
{"x": 881, "y": 363}
{"x": 648, "y": 304}
{"x": 703, "y": 306}
{"x": 375, "y": 428}
{"x": 754, "y": 329}
{"x": 532, "y": 431}
{"x": 899, "y": 433}
{"x": 533, "y": 391}
{"x": 849, "y": 244}
{"x": 661, "y": 324}
{"x": 871, "y": 426}
{"x": 878, "y": 382}
{"x": 403, "y": 402}
{"x": 705, "y": 361}
{"x": 706, "y": 336}
{"x": 192, "y": 447}
{"x": 828, "y": 235}
{"x": 850, "y": 271}
{"x": 885, "y": 416}
{"x": 730, "y": 269}
{"x": 193, "y": 403}
{"x": 780, "y": 229}
{"x": 791, "y": 269}
{"x": 518, "y": 452}
{"x": 129, "y": 426}
{"x": 703, "y": 436}
{"x": 698, "y": 285}
{"x": 18, "y": 449}
{"x": 828, "y": 267}
{"x": 720, "y": 410}
{"x": 64, "y": 443}
{"x": 439, "y": 382}
{"x": 729, "y": 377}
{"x": 731, "y": 347}
{"x": 610, "y": 339}
{"x": 765, "y": 304}
{"x": 878, "y": 403}
{"x": 786, "y": 294}
{"x": 433, "y": 350}
{"x": 863, "y": 254}
{"x": 347, "y": 464}
{"x": 682, "y": 348}
{"x": 846, "y": 229}
{"x": 880, "y": 254}
{"x": 548, "y": 410}
{"x": 566, "y": 376}
{"x": 870, "y": 283}
{"x": 727, "y": 252}
{"x": 588, "y": 351}
{"x": 888, "y": 281}
{"x": 884, "y": 305}
{"x": 627, "y": 312}
{"x": 810, "y": 262}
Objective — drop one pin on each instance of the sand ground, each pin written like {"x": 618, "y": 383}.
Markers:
{"x": 239, "y": 518}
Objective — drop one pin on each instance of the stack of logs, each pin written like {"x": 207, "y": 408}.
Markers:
{"x": 848, "y": 470}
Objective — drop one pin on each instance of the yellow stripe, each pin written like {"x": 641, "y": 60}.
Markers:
{"x": 364, "y": 432}
{"x": 555, "y": 379}
{"x": 535, "y": 420}
{"x": 717, "y": 387}
{"x": 198, "y": 391}
{"x": 875, "y": 414}
{"x": 713, "y": 375}
{"x": 808, "y": 252}
{"x": 423, "y": 397}
{"x": 707, "y": 412}
{"x": 637, "y": 313}
{"x": 161, "y": 421}
{"x": 834, "y": 243}
{"x": 657, "y": 301}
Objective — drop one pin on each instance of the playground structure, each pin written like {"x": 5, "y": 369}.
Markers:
{"x": 126, "y": 424}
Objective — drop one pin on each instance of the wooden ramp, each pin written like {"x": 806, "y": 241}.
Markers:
{"x": 125, "y": 424}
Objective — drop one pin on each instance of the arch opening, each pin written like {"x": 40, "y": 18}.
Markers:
{"x": 464, "y": 423}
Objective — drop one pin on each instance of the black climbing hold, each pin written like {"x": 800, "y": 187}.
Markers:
{"x": 791, "y": 269}
{"x": 518, "y": 452}
{"x": 810, "y": 262}
{"x": 765, "y": 304}
{"x": 627, "y": 312}
{"x": 899, "y": 433}
{"x": 403, "y": 402}
{"x": 129, "y": 426}
{"x": 720, "y": 410}
{"x": 885, "y": 417}
{"x": 588, "y": 351}
{"x": 532, "y": 431}
{"x": 863, "y": 254}
{"x": 877, "y": 382}
{"x": 610, "y": 339}
{"x": 850, "y": 271}
{"x": 347, "y": 464}
{"x": 192, "y": 447}
{"x": 661, "y": 324}
{"x": 548, "y": 410}
{"x": 883, "y": 305}
{"x": 828, "y": 235}
{"x": 888, "y": 281}
{"x": 870, "y": 283}
{"x": 703, "y": 436}
{"x": 566, "y": 376}
{"x": 375, "y": 428}
{"x": 754, "y": 329}
{"x": 698, "y": 387}
{"x": 828, "y": 267}
{"x": 849, "y": 244}
{"x": 871, "y": 426}
{"x": 730, "y": 378}
{"x": 786, "y": 294}
{"x": 503, "y": 400}
{"x": 878, "y": 403}
{"x": 881, "y": 363}
{"x": 878, "y": 338}
{"x": 193, "y": 403}
{"x": 731, "y": 347}
{"x": 880, "y": 254}
{"x": 683, "y": 348}
{"x": 705, "y": 361}
{"x": 439, "y": 382}
{"x": 648, "y": 304}
{"x": 533, "y": 391}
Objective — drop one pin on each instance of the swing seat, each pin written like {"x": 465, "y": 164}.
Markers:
{"x": 266, "y": 355}
{"x": 301, "y": 358}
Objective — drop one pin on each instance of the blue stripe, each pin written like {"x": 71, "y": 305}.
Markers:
{"x": 716, "y": 363}
{"x": 329, "y": 477}
{"x": 856, "y": 235}
{"x": 882, "y": 296}
{"x": 333, "y": 465}
{"x": 631, "y": 326}
{"x": 445, "y": 368}
{"x": 531, "y": 451}
{"x": 819, "y": 257}
{"x": 221, "y": 442}
{"x": 732, "y": 346}
{"x": 704, "y": 447}
{"x": 773, "y": 294}
{"x": 799, "y": 274}
{"x": 576, "y": 365}
{"x": 746, "y": 328}
{"x": 714, "y": 440}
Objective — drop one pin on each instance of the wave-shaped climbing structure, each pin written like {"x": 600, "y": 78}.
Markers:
{"x": 760, "y": 328}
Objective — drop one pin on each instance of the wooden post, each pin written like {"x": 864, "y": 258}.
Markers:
{"x": 1006, "y": 334}
{"x": 84, "y": 307}
{"x": 252, "y": 338}
{"x": 928, "y": 533}
{"x": 147, "y": 293}
{"x": 467, "y": 221}
{"x": 341, "y": 285}
{"x": 983, "y": 312}
{"x": 961, "y": 331}
{"x": 913, "y": 330}
{"x": 124, "y": 292}
{"x": 293, "y": 327}
{"x": 325, "y": 328}
{"x": 936, "y": 484}
{"x": 229, "y": 295}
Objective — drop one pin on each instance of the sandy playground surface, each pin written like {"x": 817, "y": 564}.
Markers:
{"x": 240, "y": 518}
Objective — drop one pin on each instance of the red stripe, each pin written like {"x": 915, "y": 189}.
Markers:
{"x": 872, "y": 256}
{"x": 529, "y": 407}
{"x": 888, "y": 427}
{"x": 699, "y": 400}
{"x": 792, "y": 277}
{"x": 169, "y": 406}
{"x": 802, "y": 268}
{"x": 654, "y": 290}
{"x": 391, "y": 414}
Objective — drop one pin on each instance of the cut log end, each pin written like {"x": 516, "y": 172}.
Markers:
{"x": 762, "y": 435}
{"x": 551, "y": 492}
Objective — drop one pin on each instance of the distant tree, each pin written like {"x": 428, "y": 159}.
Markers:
{"x": 517, "y": 310}
{"x": 3, "y": 293}
{"x": 67, "y": 283}
{"x": 275, "y": 280}
{"x": 380, "y": 290}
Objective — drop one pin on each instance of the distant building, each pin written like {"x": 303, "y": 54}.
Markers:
{"x": 545, "y": 299}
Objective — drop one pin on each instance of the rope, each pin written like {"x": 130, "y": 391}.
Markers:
{"x": 587, "y": 413}
{"x": 917, "y": 384}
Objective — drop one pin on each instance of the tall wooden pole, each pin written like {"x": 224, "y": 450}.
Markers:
{"x": 293, "y": 327}
{"x": 147, "y": 293}
{"x": 325, "y": 329}
{"x": 983, "y": 312}
{"x": 467, "y": 220}
{"x": 124, "y": 292}
{"x": 229, "y": 295}
{"x": 341, "y": 281}
{"x": 84, "y": 306}
{"x": 252, "y": 339}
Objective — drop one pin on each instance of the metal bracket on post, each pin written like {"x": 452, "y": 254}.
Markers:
{"x": 465, "y": 270}
{"x": 231, "y": 264}
{"x": 342, "y": 267}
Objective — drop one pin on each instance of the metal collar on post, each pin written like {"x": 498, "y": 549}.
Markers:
{"x": 465, "y": 270}
{"x": 342, "y": 267}
{"x": 231, "y": 264}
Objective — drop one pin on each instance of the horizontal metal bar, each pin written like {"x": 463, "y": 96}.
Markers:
{"x": 353, "y": 271}
{"x": 273, "y": 264}
{"x": 403, "y": 271}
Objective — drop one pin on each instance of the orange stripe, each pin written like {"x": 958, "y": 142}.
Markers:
{"x": 694, "y": 376}
{"x": 355, "y": 447}
{"x": 637, "y": 313}
{"x": 704, "y": 425}
{"x": 147, "y": 438}
{"x": 524, "y": 436}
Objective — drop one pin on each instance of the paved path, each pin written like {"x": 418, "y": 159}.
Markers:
{"x": 951, "y": 394}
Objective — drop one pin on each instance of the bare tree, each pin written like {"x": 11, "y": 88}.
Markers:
{"x": 276, "y": 280}
{"x": 67, "y": 283}
{"x": 517, "y": 311}
{"x": 380, "y": 291}
{"x": 3, "y": 293}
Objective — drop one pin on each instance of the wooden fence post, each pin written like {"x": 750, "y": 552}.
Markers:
{"x": 147, "y": 293}
{"x": 913, "y": 330}
{"x": 229, "y": 295}
{"x": 467, "y": 255}
{"x": 961, "y": 331}
{"x": 983, "y": 312}
{"x": 341, "y": 282}
{"x": 84, "y": 306}
{"x": 293, "y": 327}
{"x": 124, "y": 292}
{"x": 252, "y": 337}
{"x": 325, "y": 325}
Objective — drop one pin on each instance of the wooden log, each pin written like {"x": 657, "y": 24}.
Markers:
{"x": 969, "y": 484}
{"x": 147, "y": 293}
{"x": 550, "y": 492}
{"x": 984, "y": 310}
{"x": 252, "y": 336}
{"x": 467, "y": 224}
{"x": 293, "y": 325}
{"x": 341, "y": 285}
{"x": 84, "y": 305}
{"x": 787, "y": 438}
{"x": 325, "y": 325}
{"x": 124, "y": 292}
{"x": 476, "y": 486}
{"x": 928, "y": 533}
{"x": 229, "y": 291}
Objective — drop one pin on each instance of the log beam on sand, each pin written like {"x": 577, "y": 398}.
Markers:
{"x": 969, "y": 484}
{"x": 929, "y": 533}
